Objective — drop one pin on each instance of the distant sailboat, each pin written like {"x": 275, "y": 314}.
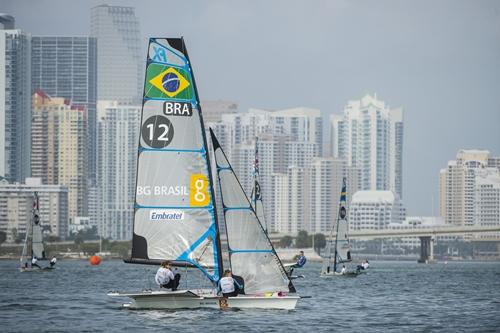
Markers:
{"x": 341, "y": 248}
{"x": 33, "y": 242}
{"x": 175, "y": 215}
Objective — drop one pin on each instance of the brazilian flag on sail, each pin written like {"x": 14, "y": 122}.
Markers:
{"x": 164, "y": 81}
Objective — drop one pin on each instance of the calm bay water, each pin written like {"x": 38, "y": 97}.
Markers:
{"x": 392, "y": 296}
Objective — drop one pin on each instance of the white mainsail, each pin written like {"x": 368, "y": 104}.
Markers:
{"x": 251, "y": 253}
{"x": 175, "y": 217}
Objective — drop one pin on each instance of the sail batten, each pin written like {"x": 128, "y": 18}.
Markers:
{"x": 251, "y": 253}
{"x": 175, "y": 216}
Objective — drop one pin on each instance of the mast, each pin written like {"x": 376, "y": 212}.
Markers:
{"x": 220, "y": 263}
{"x": 255, "y": 175}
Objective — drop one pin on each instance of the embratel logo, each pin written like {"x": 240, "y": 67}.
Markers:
{"x": 166, "y": 215}
{"x": 170, "y": 82}
{"x": 198, "y": 190}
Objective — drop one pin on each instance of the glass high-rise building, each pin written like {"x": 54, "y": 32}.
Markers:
{"x": 15, "y": 101}
{"x": 67, "y": 67}
{"x": 119, "y": 53}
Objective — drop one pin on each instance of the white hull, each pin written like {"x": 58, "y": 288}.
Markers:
{"x": 185, "y": 299}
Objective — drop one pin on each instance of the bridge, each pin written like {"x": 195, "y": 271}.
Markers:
{"x": 426, "y": 235}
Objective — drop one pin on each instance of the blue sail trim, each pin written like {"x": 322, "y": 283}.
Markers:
{"x": 192, "y": 101}
{"x": 169, "y": 50}
{"x": 201, "y": 151}
{"x": 250, "y": 251}
{"x": 237, "y": 208}
{"x": 210, "y": 208}
{"x": 168, "y": 99}
{"x": 219, "y": 168}
{"x": 185, "y": 256}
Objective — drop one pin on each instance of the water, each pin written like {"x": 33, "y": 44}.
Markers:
{"x": 392, "y": 296}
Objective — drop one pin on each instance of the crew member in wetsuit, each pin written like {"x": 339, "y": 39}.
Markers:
{"x": 229, "y": 286}
{"x": 301, "y": 261}
{"x": 34, "y": 263}
{"x": 165, "y": 278}
{"x": 53, "y": 261}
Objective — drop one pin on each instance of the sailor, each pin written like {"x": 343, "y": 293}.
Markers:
{"x": 229, "y": 286}
{"x": 165, "y": 278}
{"x": 343, "y": 271}
{"x": 34, "y": 261}
{"x": 53, "y": 261}
{"x": 301, "y": 261}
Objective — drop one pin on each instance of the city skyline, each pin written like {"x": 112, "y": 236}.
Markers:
{"x": 449, "y": 68}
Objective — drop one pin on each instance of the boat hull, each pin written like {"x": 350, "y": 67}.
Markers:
{"x": 185, "y": 299}
{"x": 29, "y": 269}
{"x": 336, "y": 274}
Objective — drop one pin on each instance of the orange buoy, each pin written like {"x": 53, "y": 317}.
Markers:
{"x": 95, "y": 260}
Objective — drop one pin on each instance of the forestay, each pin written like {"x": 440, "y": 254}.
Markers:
{"x": 174, "y": 210}
{"x": 251, "y": 253}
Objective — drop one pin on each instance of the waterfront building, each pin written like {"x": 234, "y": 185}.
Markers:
{"x": 67, "y": 67}
{"x": 468, "y": 189}
{"x": 290, "y": 209}
{"x": 374, "y": 210}
{"x": 15, "y": 101}
{"x": 369, "y": 135}
{"x": 299, "y": 124}
{"x": 16, "y": 202}
{"x": 277, "y": 153}
{"x": 59, "y": 147}
{"x": 487, "y": 201}
{"x": 119, "y": 53}
{"x": 79, "y": 223}
{"x": 118, "y": 134}
{"x": 324, "y": 183}
{"x": 213, "y": 110}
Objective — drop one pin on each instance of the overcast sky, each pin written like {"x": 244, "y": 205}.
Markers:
{"x": 439, "y": 60}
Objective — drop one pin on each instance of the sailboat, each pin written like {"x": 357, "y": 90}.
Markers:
{"x": 33, "y": 242}
{"x": 175, "y": 216}
{"x": 341, "y": 247}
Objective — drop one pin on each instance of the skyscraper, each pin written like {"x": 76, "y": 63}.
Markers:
{"x": 59, "y": 154}
{"x": 119, "y": 61}
{"x": 118, "y": 134}
{"x": 290, "y": 211}
{"x": 67, "y": 67}
{"x": 470, "y": 189}
{"x": 15, "y": 101}
{"x": 369, "y": 135}
{"x": 324, "y": 182}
